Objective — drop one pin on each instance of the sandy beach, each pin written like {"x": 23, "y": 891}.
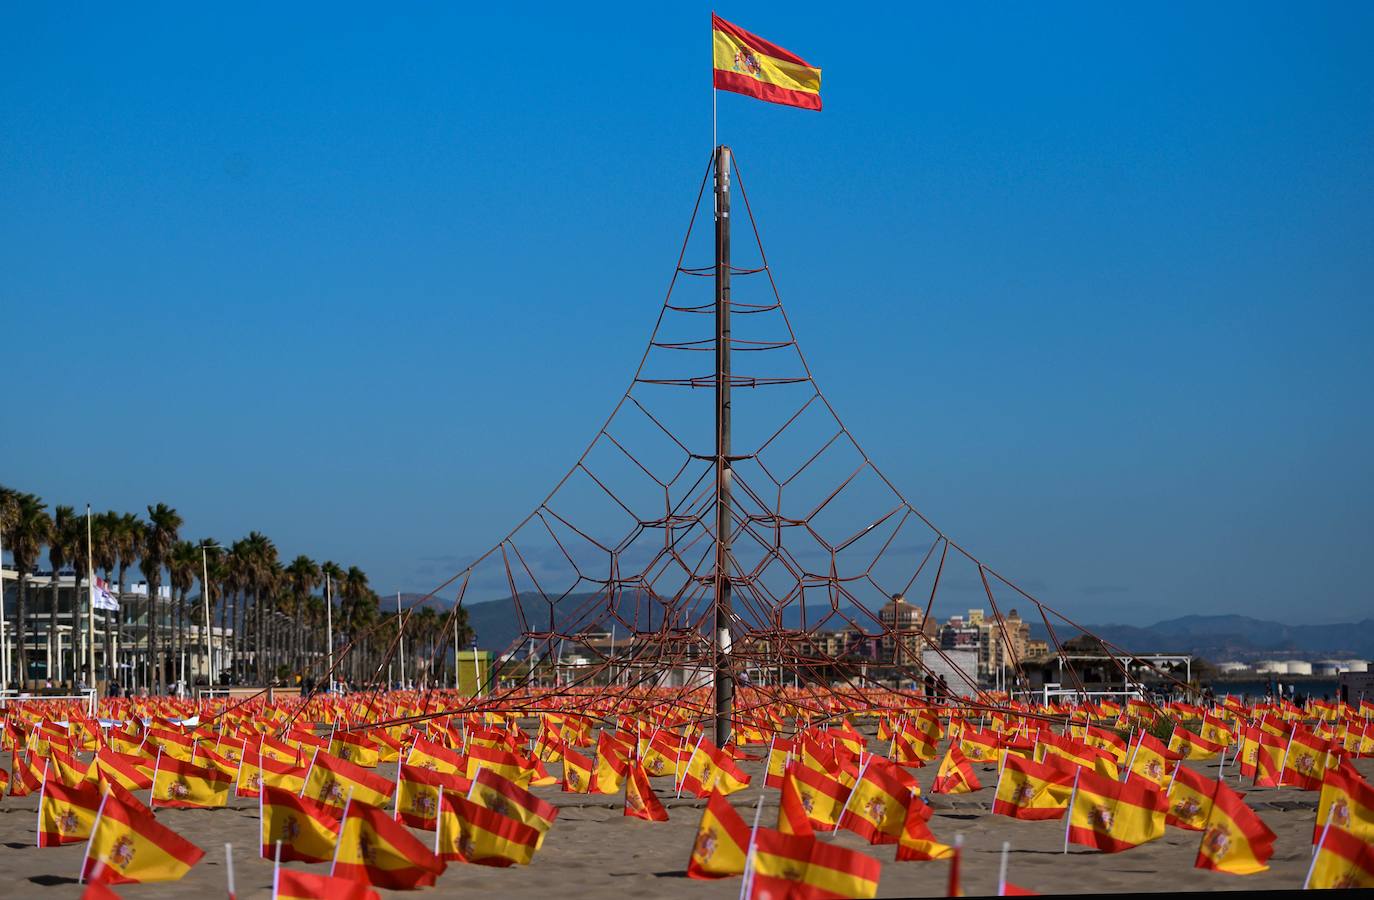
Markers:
{"x": 593, "y": 850}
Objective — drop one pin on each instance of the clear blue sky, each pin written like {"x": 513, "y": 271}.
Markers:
{"x": 1092, "y": 283}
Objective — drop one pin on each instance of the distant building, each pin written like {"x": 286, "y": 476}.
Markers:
{"x": 906, "y": 631}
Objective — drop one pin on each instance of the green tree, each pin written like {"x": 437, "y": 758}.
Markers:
{"x": 28, "y": 533}
{"x": 160, "y": 535}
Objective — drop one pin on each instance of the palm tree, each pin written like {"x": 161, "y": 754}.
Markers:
{"x": 354, "y": 590}
{"x": 262, "y": 559}
{"x": 303, "y": 575}
{"x": 129, "y": 540}
{"x": 27, "y": 536}
{"x": 183, "y": 565}
{"x": 62, "y": 546}
{"x": 214, "y": 570}
{"x": 161, "y": 534}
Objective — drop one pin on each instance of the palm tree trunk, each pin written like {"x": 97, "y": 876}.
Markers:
{"x": 154, "y": 661}
{"x": 21, "y": 613}
{"x": 54, "y": 645}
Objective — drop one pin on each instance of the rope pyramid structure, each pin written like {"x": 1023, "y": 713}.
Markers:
{"x": 722, "y": 558}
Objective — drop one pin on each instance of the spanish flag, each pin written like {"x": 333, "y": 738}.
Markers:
{"x": 66, "y": 814}
{"x": 355, "y": 747}
{"x": 792, "y": 817}
{"x": 722, "y": 841}
{"x": 640, "y": 800}
{"x": 577, "y": 772}
{"x": 794, "y": 865}
{"x": 747, "y": 64}
{"x": 1347, "y": 801}
{"x": 917, "y": 842}
{"x": 132, "y": 772}
{"x": 331, "y": 780}
{"x": 1114, "y": 816}
{"x": 428, "y": 755}
{"x": 1235, "y": 839}
{"x": 129, "y": 846}
{"x": 1343, "y": 860}
{"x": 1032, "y": 790}
{"x": 821, "y": 796}
{"x": 1190, "y": 800}
{"x": 289, "y": 884}
{"x": 307, "y": 830}
{"x": 471, "y": 833}
{"x": 876, "y": 808}
{"x": 502, "y": 762}
{"x": 956, "y": 775}
{"x": 375, "y": 849}
{"x": 186, "y": 786}
{"x": 503, "y": 796}
{"x": 418, "y": 791}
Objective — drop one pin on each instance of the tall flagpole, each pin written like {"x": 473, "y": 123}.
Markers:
{"x": 329, "y": 626}
{"x": 724, "y": 683}
{"x": 205, "y": 604}
{"x": 90, "y": 601}
{"x": 401, "y": 633}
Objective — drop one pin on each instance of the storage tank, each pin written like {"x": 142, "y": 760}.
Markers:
{"x": 1298, "y": 667}
{"x": 1230, "y": 667}
{"x": 1355, "y": 665}
{"x": 1270, "y": 666}
{"x": 1328, "y": 667}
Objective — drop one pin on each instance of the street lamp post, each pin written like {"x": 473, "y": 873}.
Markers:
{"x": 205, "y": 603}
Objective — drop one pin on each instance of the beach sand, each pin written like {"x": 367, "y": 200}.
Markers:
{"x": 593, "y": 850}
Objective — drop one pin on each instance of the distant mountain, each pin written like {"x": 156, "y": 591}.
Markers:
{"x": 1229, "y": 637}
{"x": 1218, "y": 638}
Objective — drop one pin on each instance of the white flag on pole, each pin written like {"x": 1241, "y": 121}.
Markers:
{"x": 101, "y": 595}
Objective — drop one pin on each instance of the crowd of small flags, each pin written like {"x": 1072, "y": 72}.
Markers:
{"x": 1114, "y": 773}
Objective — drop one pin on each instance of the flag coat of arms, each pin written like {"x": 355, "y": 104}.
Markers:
{"x": 747, "y": 64}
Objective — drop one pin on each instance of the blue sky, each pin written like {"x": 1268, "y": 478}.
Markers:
{"x": 1092, "y": 284}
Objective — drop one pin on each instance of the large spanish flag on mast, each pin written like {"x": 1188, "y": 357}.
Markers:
{"x": 747, "y": 64}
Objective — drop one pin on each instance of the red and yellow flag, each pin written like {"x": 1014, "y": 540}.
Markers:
{"x": 747, "y": 64}
{"x": 1347, "y": 801}
{"x": 67, "y": 814}
{"x": 418, "y": 791}
{"x": 1032, "y": 790}
{"x": 332, "y": 781}
{"x": 956, "y": 775}
{"x": 307, "y": 830}
{"x": 722, "y": 841}
{"x": 1234, "y": 839}
{"x": 794, "y": 865}
{"x": 876, "y": 807}
{"x": 640, "y": 800}
{"x": 290, "y": 884}
{"x": 128, "y": 846}
{"x": 1113, "y": 815}
{"x": 474, "y": 834}
{"x": 1343, "y": 860}
{"x": 917, "y": 842}
{"x": 187, "y": 786}
{"x": 505, "y": 797}
{"x": 376, "y": 849}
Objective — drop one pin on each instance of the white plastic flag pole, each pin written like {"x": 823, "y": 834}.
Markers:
{"x": 747, "y": 883}
{"x": 1002, "y": 870}
{"x": 1316, "y": 851}
{"x": 276, "y": 872}
{"x": 1068, "y": 819}
{"x": 229, "y": 868}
